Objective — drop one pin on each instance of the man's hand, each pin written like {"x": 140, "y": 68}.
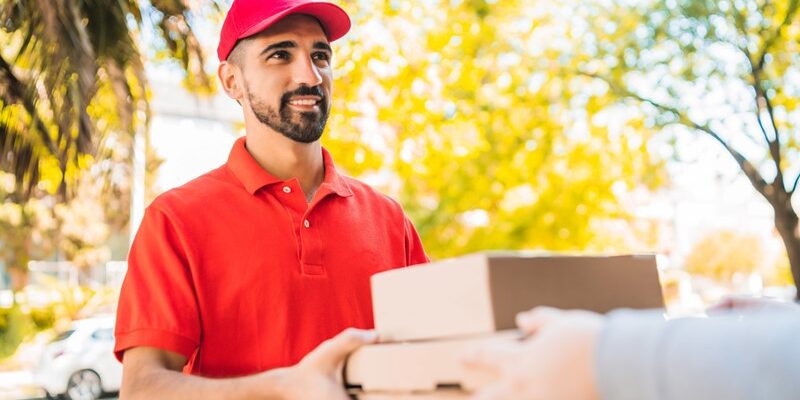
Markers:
{"x": 555, "y": 361}
{"x": 150, "y": 373}
{"x": 318, "y": 375}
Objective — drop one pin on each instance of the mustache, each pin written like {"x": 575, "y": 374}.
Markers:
{"x": 303, "y": 91}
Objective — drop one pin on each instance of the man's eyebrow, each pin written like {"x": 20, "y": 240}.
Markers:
{"x": 286, "y": 44}
{"x": 323, "y": 46}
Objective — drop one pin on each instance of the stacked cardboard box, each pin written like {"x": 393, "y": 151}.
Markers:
{"x": 427, "y": 316}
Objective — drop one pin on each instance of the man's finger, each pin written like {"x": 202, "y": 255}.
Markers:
{"x": 529, "y": 322}
{"x": 332, "y": 352}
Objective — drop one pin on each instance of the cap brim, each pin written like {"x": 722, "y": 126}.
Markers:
{"x": 335, "y": 21}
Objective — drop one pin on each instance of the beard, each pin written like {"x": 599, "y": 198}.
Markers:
{"x": 303, "y": 127}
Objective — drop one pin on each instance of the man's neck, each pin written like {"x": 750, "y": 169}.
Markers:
{"x": 284, "y": 158}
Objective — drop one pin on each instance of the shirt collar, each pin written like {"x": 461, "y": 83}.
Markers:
{"x": 253, "y": 177}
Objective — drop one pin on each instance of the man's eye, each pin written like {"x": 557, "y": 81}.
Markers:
{"x": 280, "y": 55}
{"x": 321, "y": 56}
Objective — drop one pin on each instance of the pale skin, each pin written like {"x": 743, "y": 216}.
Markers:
{"x": 152, "y": 373}
{"x": 553, "y": 362}
{"x": 556, "y": 359}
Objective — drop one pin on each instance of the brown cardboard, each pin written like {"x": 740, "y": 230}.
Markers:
{"x": 481, "y": 293}
{"x": 418, "y": 369}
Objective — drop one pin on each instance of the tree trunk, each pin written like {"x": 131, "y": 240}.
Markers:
{"x": 786, "y": 222}
{"x": 19, "y": 279}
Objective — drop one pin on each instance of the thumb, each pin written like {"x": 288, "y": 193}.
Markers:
{"x": 529, "y": 322}
{"x": 333, "y": 351}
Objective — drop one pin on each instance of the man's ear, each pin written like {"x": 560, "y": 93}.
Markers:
{"x": 230, "y": 76}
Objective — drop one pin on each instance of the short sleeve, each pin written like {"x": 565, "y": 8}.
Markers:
{"x": 158, "y": 303}
{"x": 415, "y": 253}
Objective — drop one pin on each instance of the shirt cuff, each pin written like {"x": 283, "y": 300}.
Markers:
{"x": 154, "y": 338}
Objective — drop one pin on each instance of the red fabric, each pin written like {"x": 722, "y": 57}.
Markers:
{"x": 224, "y": 271}
{"x": 248, "y": 17}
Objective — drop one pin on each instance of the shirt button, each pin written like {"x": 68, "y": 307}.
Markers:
{"x": 306, "y": 224}
{"x": 287, "y": 189}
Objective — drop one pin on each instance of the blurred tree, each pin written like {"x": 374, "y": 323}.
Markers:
{"x": 84, "y": 229}
{"x": 780, "y": 273}
{"x": 727, "y": 70}
{"x": 468, "y": 112}
{"x": 722, "y": 254}
{"x": 73, "y": 94}
{"x": 27, "y": 231}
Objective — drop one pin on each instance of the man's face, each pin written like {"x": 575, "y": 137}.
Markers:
{"x": 288, "y": 79}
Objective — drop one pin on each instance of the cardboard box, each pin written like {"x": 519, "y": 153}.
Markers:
{"x": 481, "y": 293}
{"x": 418, "y": 370}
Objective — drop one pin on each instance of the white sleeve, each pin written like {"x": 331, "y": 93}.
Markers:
{"x": 641, "y": 356}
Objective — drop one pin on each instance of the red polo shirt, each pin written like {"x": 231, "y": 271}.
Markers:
{"x": 235, "y": 270}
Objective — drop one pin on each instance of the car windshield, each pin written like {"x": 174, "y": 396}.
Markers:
{"x": 63, "y": 336}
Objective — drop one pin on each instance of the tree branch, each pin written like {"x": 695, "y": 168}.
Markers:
{"x": 774, "y": 144}
{"x": 750, "y": 171}
{"x": 794, "y": 186}
{"x": 763, "y": 130}
{"x": 757, "y": 67}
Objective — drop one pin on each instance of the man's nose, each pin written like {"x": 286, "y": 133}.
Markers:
{"x": 305, "y": 72}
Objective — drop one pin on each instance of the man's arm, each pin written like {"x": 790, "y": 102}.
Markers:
{"x": 150, "y": 373}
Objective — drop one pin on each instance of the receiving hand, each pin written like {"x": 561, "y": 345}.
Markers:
{"x": 555, "y": 361}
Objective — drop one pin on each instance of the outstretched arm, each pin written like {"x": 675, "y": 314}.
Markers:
{"x": 150, "y": 373}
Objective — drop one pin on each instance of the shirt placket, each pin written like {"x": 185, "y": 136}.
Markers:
{"x": 304, "y": 227}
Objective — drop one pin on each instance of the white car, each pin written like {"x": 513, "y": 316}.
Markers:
{"x": 79, "y": 363}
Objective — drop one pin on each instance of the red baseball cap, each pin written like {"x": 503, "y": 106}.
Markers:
{"x": 248, "y": 17}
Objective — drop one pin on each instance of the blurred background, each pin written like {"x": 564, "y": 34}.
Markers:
{"x": 580, "y": 126}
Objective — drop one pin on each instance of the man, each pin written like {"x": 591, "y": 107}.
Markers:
{"x": 751, "y": 350}
{"x": 237, "y": 277}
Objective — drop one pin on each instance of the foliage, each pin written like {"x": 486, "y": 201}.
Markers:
{"x": 73, "y": 94}
{"x": 469, "y": 113}
{"x": 84, "y": 231}
{"x": 55, "y": 115}
{"x": 725, "y": 70}
{"x": 26, "y": 230}
{"x": 41, "y": 227}
{"x": 722, "y": 254}
{"x": 15, "y": 326}
{"x": 780, "y": 273}
{"x": 43, "y": 317}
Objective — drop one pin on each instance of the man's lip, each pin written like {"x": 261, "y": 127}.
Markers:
{"x": 315, "y": 98}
